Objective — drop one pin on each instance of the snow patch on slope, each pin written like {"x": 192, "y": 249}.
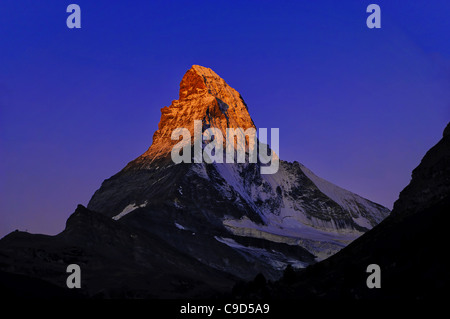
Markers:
{"x": 276, "y": 259}
{"x": 128, "y": 210}
{"x": 320, "y": 243}
{"x": 179, "y": 226}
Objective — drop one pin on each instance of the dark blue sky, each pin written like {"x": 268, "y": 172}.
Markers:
{"x": 358, "y": 106}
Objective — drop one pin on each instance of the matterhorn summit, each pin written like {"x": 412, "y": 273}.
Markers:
{"x": 203, "y": 96}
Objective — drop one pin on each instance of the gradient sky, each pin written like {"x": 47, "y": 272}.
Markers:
{"x": 358, "y": 106}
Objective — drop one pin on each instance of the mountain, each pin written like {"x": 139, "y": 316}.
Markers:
{"x": 196, "y": 228}
{"x": 293, "y": 206}
{"x": 410, "y": 246}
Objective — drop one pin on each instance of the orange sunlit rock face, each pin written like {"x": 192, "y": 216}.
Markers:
{"x": 204, "y": 96}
